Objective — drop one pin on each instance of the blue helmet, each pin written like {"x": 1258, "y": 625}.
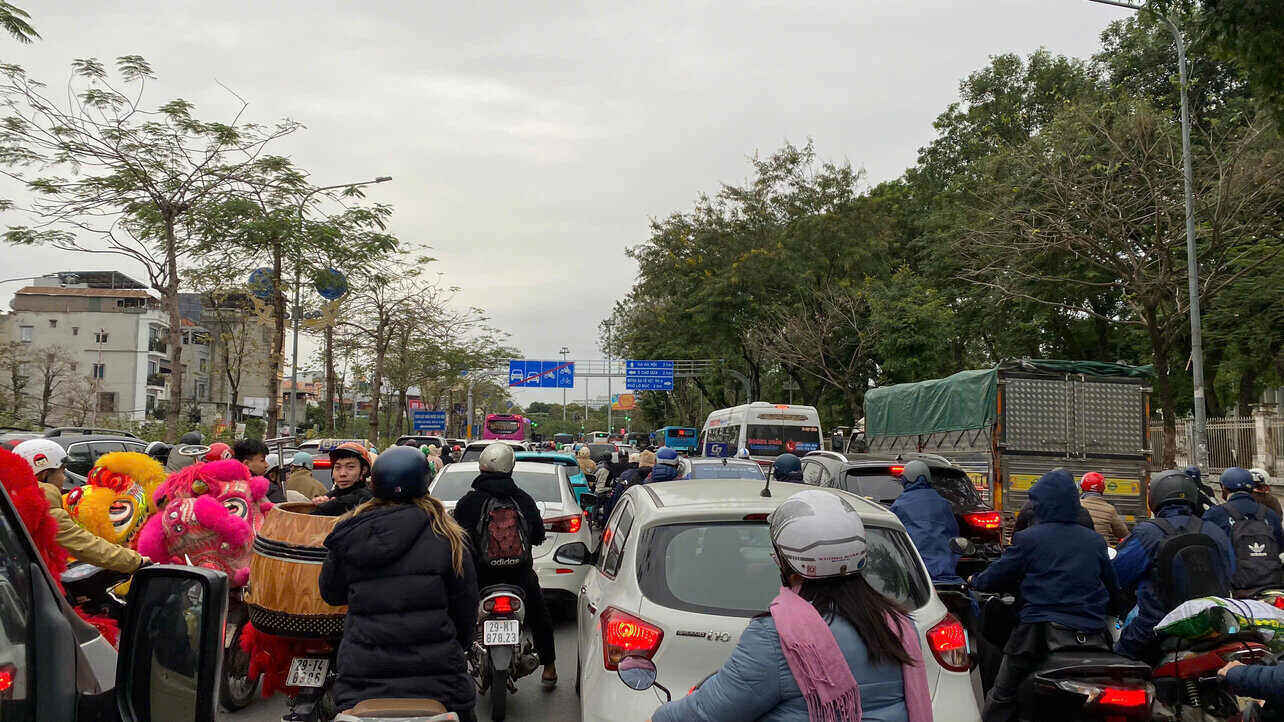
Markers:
{"x": 1236, "y": 479}
{"x": 666, "y": 456}
{"x": 1193, "y": 472}
{"x": 786, "y": 466}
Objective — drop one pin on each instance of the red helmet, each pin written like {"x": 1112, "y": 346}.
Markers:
{"x": 1092, "y": 481}
{"x": 218, "y": 451}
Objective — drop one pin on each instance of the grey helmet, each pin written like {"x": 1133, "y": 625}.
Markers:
{"x": 497, "y": 458}
{"x": 818, "y": 534}
{"x": 1172, "y": 486}
{"x": 914, "y": 472}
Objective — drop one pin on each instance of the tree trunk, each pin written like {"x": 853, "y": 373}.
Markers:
{"x": 376, "y": 385}
{"x": 1163, "y": 385}
{"x": 329, "y": 379}
{"x": 277, "y": 359}
{"x": 175, "y": 335}
{"x": 46, "y": 397}
{"x": 401, "y": 410}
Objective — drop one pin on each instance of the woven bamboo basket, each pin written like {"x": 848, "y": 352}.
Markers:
{"x": 283, "y": 595}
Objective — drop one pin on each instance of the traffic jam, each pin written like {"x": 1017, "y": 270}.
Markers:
{"x": 990, "y": 545}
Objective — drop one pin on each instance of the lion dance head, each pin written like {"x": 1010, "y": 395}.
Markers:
{"x": 207, "y": 515}
{"x": 116, "y": 500}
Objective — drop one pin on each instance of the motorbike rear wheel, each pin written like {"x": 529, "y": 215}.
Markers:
{"x": 236, "y": 689}
{"x": 498, "y": 694}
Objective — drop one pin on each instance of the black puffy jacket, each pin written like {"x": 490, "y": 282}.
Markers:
{"x": 409, "y": 615}
{"x": 343, "y": 500}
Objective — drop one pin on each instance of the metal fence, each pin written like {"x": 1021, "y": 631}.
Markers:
{"x": 1232, "y": 441}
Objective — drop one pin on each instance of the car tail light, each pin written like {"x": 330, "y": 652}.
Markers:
{"x": 502, "y": 605}
{"x": 948, "y": 641}
{"x": 983, "y": 520}
{"x": 322, "y": 462}
{"x": 624, "y": 634}
{"x": 564, "y": 524}
{"x": 7, "y": 673}
{"x": 896, "y": 470}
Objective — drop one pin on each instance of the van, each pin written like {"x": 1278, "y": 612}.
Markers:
{"x": 766, "y": 430}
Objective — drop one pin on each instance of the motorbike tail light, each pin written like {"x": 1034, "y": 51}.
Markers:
{"x": 983, "y": 520}
{"x": 564, "y": 524}
{"x": 7, "y": 673}
{"x": 948, "y": 641}
{"x": 1123, "y": 698}
{"x": 624, "y": 634}
{"x": 502, "y": 605}
{"x": 1113, "y": 704}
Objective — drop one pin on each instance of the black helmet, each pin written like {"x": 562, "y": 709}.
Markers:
{"x": 1171, "y": 487}
{"x": 399, "y": 473}
{"x": 191, "y": 437}
{"x": 786, "y": 467}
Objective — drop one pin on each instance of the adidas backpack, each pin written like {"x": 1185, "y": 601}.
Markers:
{"x": 504, "y": 539}
{"x": 1257, "y": 554}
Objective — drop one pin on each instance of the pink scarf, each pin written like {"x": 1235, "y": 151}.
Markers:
{"x": 821, "y": 670}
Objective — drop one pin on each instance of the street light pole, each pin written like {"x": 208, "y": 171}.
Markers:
{"x": 609, "y": 404}
{"x": 298, "y": 272}
{"x": 564, "y": 351}
{"x": 1192, "y": 261}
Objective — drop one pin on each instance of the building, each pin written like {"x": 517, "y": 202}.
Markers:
{"x": 227, "y": 377}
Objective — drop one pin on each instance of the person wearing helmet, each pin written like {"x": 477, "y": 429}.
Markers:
{"x": 743, "y": 454}
{"x": 587, "y": 465}
{"x": 831, "y": 647}
{"x": 666, "y": 466}
{"x": 1105, "y": 517}
{"x": 47, "y": 459}
{"x": 159, "y": 451}
{"x": 496, "y": 482}
{"x": 1174, "y": 499}
{"x": 298, "y": 476}
{"x": 403, "y": 567}
{"x": 1062, "y": 573}
{"x": 930, "y": 521}
{"x": 177, "y": 461}
{"x": 349, "y": 466}
{"x": 276, "y": 487}
{"x": 1262, "y": 493}
{"x": 1254, "y": 531}
{"x": 787, "y": 467}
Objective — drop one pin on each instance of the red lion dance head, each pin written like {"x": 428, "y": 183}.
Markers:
{"x": 33, "y": 508}
{"x": 207, "y": 516}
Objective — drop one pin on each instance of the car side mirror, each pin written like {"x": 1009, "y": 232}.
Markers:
{"x": 588, "y": 499}
{"x": 962, "y": 546}
{"x": 575, "y": 554}
{"x": 171, "y": 644}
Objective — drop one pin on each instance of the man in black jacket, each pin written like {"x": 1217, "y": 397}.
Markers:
{"x": 496, "y": 481}
{"x": 349, "y": 467}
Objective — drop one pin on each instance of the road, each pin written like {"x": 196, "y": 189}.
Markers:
{"x": 530, "y": 703}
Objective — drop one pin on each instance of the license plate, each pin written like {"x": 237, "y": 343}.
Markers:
{"x": 499, "y": 632}
{"x": 308, "y": 672}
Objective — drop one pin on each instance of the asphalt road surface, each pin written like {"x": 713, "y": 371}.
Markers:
{"x": 531, "y": 703}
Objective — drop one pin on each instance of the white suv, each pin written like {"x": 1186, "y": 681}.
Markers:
{"x": 683, "y": 567}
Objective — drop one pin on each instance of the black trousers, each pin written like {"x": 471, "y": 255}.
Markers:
{"x": 537, "y": 616}
{"x": 1027, "y": 648}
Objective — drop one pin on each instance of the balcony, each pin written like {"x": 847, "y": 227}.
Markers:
{"x": 156, "y": 345}
{"x": 157, "y": 380}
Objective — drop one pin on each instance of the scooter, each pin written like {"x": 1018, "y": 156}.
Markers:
{"x": 235, "y": 689}
{"x": 93, "y": 589}
{"x": 503, "y": 648}
{"x": 1185, "y": 680}
{"x": 311, "y": 677}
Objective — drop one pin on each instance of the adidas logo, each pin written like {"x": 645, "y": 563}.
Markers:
{"x": 1257, "y": 550}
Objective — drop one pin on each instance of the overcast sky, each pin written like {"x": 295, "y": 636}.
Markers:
{"x": 530, "y": 142}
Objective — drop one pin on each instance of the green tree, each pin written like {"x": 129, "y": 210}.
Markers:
{"x": 15, "y": 21}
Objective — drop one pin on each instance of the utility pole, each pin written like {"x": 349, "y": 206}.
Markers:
{"x": 1192, "y": 261}
{"x": 564, "y": 351}
{"x": 610, "y": 428}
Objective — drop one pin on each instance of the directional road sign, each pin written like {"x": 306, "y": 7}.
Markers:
{"x": 648, "y": 375}
{"x": 529, "y": 374}
{"x": 428, "y": 420}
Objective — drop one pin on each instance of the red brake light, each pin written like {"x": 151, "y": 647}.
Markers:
{"x": 948, "y": 641}
{"x": 1120, "y": 698}
{"x": 624, "y": 634}
{"x": 502, "y": 605}
{"x": 6, "y": 679}
{"x": 897, "y": 470}
{"x": 986, "y": 520}
{"x": 322, "y": 462}
{"x": 564, "y": 524}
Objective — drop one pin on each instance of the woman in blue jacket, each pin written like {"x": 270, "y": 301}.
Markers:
{"x": 831, "y": 646}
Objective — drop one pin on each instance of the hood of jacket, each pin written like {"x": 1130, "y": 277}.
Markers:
{"x": 918, "y": 485}
{"x": 1055, "y": 497}
{"x": 379, "y": 536}
{"x": 495, "y": 484}
{"x": 663, "y": 472}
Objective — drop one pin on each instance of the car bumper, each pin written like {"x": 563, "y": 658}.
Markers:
{"x": 559, "y": 578}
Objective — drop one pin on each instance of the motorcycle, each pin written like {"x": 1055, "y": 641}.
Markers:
{"x": 503, "y": 648}
{"x": 1185, "y": 680}
{"x": 235, "y": 688}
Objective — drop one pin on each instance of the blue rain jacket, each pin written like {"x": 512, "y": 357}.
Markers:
{"x": 930, "y": 521}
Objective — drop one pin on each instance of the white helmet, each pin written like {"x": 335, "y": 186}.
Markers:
{"x": 818, "y": 534}
{"x": 1261, "y": 477}
{"x": 273, "y": 462}
{"x": 498, "y": 458}
{"x": 41, "y": 454}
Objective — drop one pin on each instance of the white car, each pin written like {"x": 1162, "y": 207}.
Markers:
{"x": 473, "y": 451}
{"x": 564, "y": 520}
{"x": 683, "y": 567}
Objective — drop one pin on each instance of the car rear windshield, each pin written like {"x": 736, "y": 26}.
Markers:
{"x": 727, "y": 471}
{"x": 472, "y": 453}
{"x": 772, "y": 440}
{"x": 877, "y": 483}
{"x": 541, "y": 484}
{"x": 676, "y": 562}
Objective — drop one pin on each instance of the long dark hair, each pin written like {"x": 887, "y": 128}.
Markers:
{"x": 853, "y": 599}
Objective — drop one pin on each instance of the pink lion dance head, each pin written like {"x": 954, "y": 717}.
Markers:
{"x": 208, "y": 514}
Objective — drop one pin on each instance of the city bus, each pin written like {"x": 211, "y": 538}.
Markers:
{"x": 766, "y": 430}
{"x": 679, "y": 438}
{"x": 509, "y": 427}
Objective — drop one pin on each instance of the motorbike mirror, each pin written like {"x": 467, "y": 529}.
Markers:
{"x": 588, "y": 499}
{"x": 575, "y": 553}
{"x": 637, "y": 673}
{"x": 962, "y": 545}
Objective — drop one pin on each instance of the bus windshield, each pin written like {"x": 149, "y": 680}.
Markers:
{"x": 504, "y": 426}
{"x": 772, "y": 440}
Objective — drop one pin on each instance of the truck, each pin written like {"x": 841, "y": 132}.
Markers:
{"x": 1008, "y": 425}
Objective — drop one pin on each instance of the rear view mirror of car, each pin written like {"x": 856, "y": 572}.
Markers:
{"x": 575, "y": 553}
{"x": 171, "y": 644}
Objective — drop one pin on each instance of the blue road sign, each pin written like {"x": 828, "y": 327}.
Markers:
{"x": 648, "y": 375}
{"x": 428, "y": 420}
{"x": 528, "y": 374}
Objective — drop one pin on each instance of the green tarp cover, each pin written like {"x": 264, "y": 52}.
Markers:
{"x": 966, "y": 400}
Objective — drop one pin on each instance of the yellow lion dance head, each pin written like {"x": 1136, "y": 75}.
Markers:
{"x": 117, "y": 498}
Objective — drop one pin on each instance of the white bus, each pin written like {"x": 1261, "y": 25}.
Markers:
{"x": 766, "y": 430}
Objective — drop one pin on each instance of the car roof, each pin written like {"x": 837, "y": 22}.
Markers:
{"x": 474, "y": 466}
{"x": 65, "y": 441}
{"x": 728, "y": 461}
{"x": 740, "y": 496}
{"x": 525, "y": 455}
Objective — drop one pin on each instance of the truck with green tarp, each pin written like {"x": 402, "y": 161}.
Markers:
{"x": 1008, "y": 425}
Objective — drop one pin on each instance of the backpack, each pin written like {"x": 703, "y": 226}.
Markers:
{"x": 504, "y": 538}
{"x": 1257, "y": 554}
{"x": 1188, "y": 564}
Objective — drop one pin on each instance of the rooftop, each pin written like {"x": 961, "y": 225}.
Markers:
{"x": 83, "y": 292}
